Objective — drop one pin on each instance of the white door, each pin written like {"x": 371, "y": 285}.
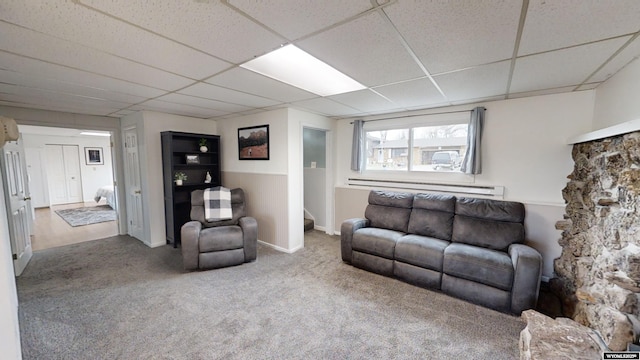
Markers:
{"x": 63, "y": 172}
{"x": 16, "y": 192}
{"x": 37, "y": 176}
{"x": 133, "y": 188}
{"x": 72, "y": 172}
{"x": 55, "y": 174}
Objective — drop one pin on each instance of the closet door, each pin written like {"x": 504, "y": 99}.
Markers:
{"x": 55, "y": 174}
{"x": 63, "y": 173}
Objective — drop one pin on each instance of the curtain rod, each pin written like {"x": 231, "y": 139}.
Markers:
{"x": 410, "y": 116}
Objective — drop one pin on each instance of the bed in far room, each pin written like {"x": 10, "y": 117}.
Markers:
{"x": 107, "y": 193}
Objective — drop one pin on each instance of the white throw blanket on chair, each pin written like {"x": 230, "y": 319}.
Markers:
{"x": 217, "y": 204}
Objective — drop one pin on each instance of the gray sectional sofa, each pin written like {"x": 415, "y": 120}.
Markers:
{"x": 466, "y": 247}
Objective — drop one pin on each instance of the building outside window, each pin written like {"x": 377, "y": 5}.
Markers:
{"x": 433, "y": 148}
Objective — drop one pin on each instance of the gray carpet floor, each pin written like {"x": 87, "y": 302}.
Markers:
{"x": 118, "y": 299}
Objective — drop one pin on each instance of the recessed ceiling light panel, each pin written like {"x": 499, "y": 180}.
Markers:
{"x": 295, "y": 67}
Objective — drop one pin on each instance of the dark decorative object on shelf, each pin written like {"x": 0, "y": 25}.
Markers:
{"x": 181, "y": 154}
{"x": 253, "y": 143}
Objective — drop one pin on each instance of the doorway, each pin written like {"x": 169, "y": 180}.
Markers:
{"x": 315, "y": 178}
{"x": 70, "y": 174}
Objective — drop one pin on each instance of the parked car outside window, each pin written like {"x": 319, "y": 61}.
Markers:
{"x": 446, "y": 160}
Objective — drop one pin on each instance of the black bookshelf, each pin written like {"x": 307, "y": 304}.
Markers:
{"x": 176, "y": 147}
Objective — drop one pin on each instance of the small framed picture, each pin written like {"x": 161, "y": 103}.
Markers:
{"x": 253, "y": 143}
{"x": 93, "y": 156}
{"x": 193, "y": 159}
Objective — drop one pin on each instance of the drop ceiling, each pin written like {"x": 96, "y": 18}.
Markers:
{"x": 114, "y": 58}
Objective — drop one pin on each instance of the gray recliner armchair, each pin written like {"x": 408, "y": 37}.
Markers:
{"x": 211, "y": 245}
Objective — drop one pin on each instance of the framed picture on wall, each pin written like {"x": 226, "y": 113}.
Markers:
{"x": 93, "y": 156}
{"x": 253, "y": 143}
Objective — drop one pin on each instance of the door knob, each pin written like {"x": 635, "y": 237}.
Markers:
{"x": 27, "y": 198}
{"x": 138, "y": 192}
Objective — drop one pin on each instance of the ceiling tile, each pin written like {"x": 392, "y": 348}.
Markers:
{"x": 57, "y": 103}
{"x": 213, "y": 92}
{"x": 477, "y": 82}
{"x": 365, "y": 49}
{"x": 557, "y": 24}
{"x": 52, "y": 95}
{"x": 449, "y": 35}
{"x": 550, "y": 91}
{"x": 209, "y": 26}
{"x": 179, "y": 109}
{"x": 617, "y": 63}
{"x": 325, "y": 107}
{"x": 28, "y": 43}
{"x": 412, "y": 93}
{"x": 222, "y": 107}
{"x": 309, "y": 15}
{"x": 561, "y": 68}
{"x": 46, "y": 71}
{"x": 365, "y": 101}
{"x": 252, "y": 83}
{"x": 34, "y": 82}
{"x": 62, "y": 19}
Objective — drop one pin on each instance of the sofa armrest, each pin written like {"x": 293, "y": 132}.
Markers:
{"x": 249, "y": 228}
{"x": 347, "y": 229}
{"x": 527, "y": 266}
{"x": 189, "y": 235}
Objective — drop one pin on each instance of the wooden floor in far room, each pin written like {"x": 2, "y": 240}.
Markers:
{"x": 50, "y": 230}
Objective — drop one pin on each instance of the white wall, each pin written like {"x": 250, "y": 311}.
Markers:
{"x": 150, "y": 125}
{"x": 9, "y": 327}
{"x": 285, "y": 231}
{"x": 93, "y": 176}
{"x": 524, "y": 150}
{"x": 265, "y": 182}
{"x": 616, "y": 99}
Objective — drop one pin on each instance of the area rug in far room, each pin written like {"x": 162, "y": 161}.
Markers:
{"x": 87, "y": 215}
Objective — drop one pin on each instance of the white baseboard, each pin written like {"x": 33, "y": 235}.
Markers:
{"x": 321, "y": 228}
{"x": 544, "y": 278}
{"x": 337, "y": 233}
{"x": 281, "y": 249}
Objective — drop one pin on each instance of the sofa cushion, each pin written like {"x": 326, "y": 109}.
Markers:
{"x": 421, "y": 251}
{"x": 485, "y": 266}
{"x": 220, "y": 238}
{"x": 432, "y": 215}
{"x": 490, "y": 209}
{"x": 374, "y": 241}
{"x": 496, "y": 235}
{"x": 389, "y": 210}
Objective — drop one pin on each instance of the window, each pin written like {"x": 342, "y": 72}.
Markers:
{"x": 417, "y": 148}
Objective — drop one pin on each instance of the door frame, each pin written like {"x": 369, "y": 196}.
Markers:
{"x": 89, "y": 123}
{"x": 329, "y": 172}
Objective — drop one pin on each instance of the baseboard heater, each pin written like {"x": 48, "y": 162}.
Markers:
{"x": 489, "y": 191}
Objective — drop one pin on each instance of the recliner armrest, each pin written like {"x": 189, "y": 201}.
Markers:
{"x": 347, "y": 229}
{"x": 527, "y": 266}
{"x": 189, "y": 235}
{"x": 249, "y": 228}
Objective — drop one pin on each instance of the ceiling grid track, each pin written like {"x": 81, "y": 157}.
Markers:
{"x": 516, "y": 46}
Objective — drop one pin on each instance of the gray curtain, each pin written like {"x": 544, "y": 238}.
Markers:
{"x": 357, "y": 147}
{"x": 472, "y": 158}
